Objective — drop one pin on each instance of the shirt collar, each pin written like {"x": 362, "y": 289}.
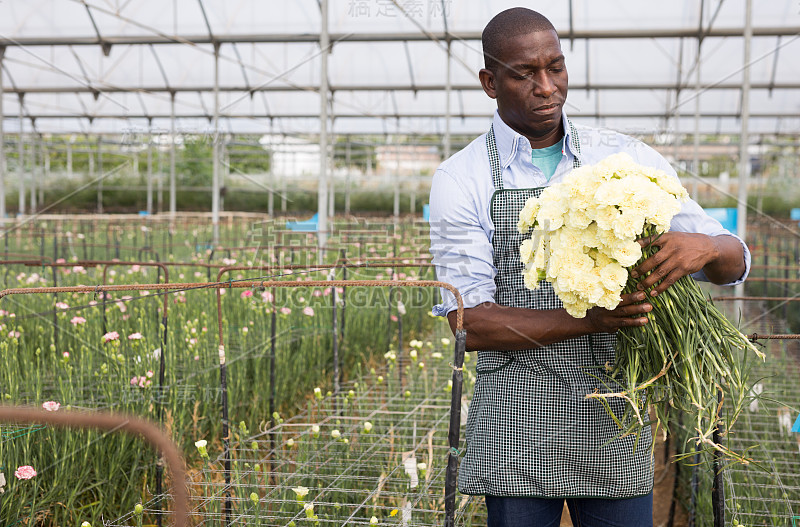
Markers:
{"x": 510, "y": 143}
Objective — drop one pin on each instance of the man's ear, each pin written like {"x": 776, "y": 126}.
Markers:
{"x": 488, "y": 82}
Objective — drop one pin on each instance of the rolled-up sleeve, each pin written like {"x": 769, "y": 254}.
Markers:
{"x": 460, "y": 245}
{"x": 692, "y": 218}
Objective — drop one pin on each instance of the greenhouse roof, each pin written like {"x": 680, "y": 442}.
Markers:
{"x": 117, "y": 66}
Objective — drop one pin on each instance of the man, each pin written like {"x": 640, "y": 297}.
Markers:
{"x": 533, "y": 439}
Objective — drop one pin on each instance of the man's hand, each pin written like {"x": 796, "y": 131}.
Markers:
{"x": 682, "y": 253}
{"x": 629, "y": 313}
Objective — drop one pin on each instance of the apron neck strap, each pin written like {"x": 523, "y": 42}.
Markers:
{"x": 494, "y": 157}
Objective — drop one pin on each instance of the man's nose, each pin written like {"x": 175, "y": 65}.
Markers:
{"x": 543, "y": 85}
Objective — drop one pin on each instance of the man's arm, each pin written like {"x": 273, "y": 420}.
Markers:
{"x": 495, "y": 327}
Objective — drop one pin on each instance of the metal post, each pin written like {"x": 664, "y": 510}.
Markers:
{"x": 396, "y": 204}
{"x": 173, "y": 198}
{"x": 100, "y": 177}
{"x": 21, "y": 160}
{"x": 34, "y": 174}
{"x": 159, "y": 181}
{"x": 271, "y": 179}
{"x": 330, "y": 153}
{"x": 283, "y": 182}
{"x": 696, "y": 153}
{"x": 215, "y": 191}
{"x": 335, "y": 337}
{"x": 447, "y": 90}
{"x": 718, "y": 489}
{"x": 2, "y": 151}
{"x": 347, "y": 179}
{"x": 744, "y": 158}
{"x": 150, "y": 172}
{"x": 45, "y": 155}
{"x": 69, "y": 157}
{"x": 272, "y": 389}
{"x": 322, "y": 189}
{"x": 453, "y": 435}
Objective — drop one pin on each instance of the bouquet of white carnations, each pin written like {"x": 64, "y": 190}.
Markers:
{"x": 689, "y": 357}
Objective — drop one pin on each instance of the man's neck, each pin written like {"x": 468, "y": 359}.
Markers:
{"x": 548, "y": 139}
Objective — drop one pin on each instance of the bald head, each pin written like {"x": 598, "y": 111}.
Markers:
{"x": 506, "y": 25}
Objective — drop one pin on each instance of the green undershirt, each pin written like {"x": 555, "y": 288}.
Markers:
{"x": 547, "y": 159}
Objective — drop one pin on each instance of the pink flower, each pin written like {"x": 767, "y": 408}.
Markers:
{"x": 77, "y": 321}
{"x": 149, "y": 374}
{"x": 122, "y": 307}
{"x": 25, "y": 472}
{"x": 60, "y": 260}
{"x": 285, "y": 311}
{"x": 308, "y": 310}
{"x": 14, "y": 334}
{"x": 266, "y": 296}
{"x": 135, "y": 336}
{"x": 65, "y": 354}
{"x": 111, "y": 335}
{"x": 134, "y": 380}
{"x": 51, "y": 406}
{"x": 317, "y": 293}
{"x": 246, "y": 293}
{"x": 340, "y": 290}
{"x": 62, "y": 305}
{"x": 394, "y": 318}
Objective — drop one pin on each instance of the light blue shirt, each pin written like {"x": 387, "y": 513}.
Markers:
{"x": 461, "y": 229}
{"x": 547, "y": 159}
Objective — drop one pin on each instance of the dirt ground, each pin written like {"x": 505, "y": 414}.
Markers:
{"x": 662, "y": 493}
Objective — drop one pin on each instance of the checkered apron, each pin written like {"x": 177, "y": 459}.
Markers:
{"x": 530, "y": 429}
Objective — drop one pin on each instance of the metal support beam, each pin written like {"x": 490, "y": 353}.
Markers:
{"x": 380, "y": 87}
{"x": 447, "y": 92}
{"x": 418, "y": 115}
{"x": 744, "y": 156}
{"x": 150, "y": 170}
{"x": 2, "y": 150}
{"x": 240, "y": 38}
{"x": 173, "y": 197}
{"x": 35, "y": 146}
{"x": 21, "y": 159}
{"x": 322, "y": 189}
{"x": 100, "y": 176}
{"x": 696, "y": 149}
{"x": 215, "y": 191}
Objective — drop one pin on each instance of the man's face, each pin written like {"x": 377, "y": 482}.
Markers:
{"x": 530, "y": 85}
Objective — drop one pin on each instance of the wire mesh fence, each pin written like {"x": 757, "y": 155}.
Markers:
{"x": 358, "y": 450}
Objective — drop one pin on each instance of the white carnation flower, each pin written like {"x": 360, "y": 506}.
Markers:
{"x": 613, "y": 276}
{"x": 627, "y": 252}
{"x": 526, "y": 250}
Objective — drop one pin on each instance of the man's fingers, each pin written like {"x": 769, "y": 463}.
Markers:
{"x": 632, "y": 298}
{"x": 669, "y": 280}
